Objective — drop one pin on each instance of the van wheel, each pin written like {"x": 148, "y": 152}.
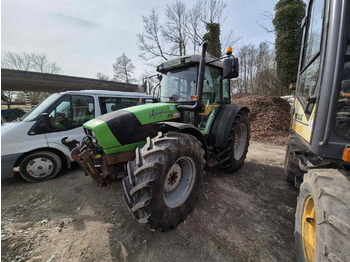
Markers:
{"x": 40, "y": 166}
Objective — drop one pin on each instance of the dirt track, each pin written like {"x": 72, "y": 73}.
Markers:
{"x": 246, "y": 216}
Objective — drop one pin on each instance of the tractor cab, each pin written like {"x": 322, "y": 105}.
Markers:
{"x": 180, "y": 84}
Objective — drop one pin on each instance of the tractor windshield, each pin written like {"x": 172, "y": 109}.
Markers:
{"x": 179, "y": 84}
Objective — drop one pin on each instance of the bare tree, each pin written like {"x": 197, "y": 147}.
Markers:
{"x": 41, "y": 64}
{"x": 29, "y": 62}
{"x": 102, "y": 76}
{"x": 258, "y": 74}
{"x": 123, "y": 69}
{"x": 268, "y": 16}
{"x": 150, "y": 42}
{"x": 37, "y": 62}
{"x": 213, "y": 11}
{"x": 17, "y": 61}
{"x": 229, "y": 40}
{"x": 195, "y": 27}
{"x": 174, "y": 30}
{"x": 183, "y": 29}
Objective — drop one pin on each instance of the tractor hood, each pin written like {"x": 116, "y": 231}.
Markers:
{"x": 119, "y": 130}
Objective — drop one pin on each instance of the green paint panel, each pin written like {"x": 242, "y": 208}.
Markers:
{"x": 103, "y": 134}
{"x": 146, "y": 114}
{"x": 152, "y": 113}
{"x": 125, "y": 148}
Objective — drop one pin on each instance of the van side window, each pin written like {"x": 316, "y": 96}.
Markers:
{"x": 110, "y": 104}
{"x": 72, "y": 112}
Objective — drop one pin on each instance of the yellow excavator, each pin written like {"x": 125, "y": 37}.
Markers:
{"x": 318, "y": 152}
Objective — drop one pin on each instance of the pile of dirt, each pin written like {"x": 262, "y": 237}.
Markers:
{"x": 269, "y": 115}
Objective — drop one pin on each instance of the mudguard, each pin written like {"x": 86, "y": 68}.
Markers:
{"x": 186, "y": 128}
{"x": 220, "y": 131}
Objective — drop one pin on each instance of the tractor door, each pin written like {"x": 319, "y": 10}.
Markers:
{"x": 215, "y": 92}
{"x": 309, "y": 77}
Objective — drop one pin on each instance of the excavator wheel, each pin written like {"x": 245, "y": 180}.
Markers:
{"x": 322, "y": 219}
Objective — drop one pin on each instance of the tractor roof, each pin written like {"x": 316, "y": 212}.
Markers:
{"x": 109, "y": 93}
{"x": 184, "y": 60}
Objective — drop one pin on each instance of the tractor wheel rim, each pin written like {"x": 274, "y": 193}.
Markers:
{"x": 179, "y": 182}
{"x": 240, "y": 141}
{"x": 308, "y": 224}
{"x": 39, "y": 167}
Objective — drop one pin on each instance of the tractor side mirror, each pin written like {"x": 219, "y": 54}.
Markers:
{"x": 231, "y": 68}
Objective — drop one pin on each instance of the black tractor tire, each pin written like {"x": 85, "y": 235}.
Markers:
{"x": 227, "y": 160}
{"x": 292, "y": 170}
{"x": 329, "y": 190}
{"x": 43, "y": 157}
{"x": 144, "y": 187}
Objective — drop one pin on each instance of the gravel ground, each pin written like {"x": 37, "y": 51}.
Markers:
{"x": 246, "y": 216}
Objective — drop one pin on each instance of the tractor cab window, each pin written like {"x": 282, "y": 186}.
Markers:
{"x": 342, "y": 117}
{"x": 71, "y": 112}
{"x": 311, "y": 53}
{"x": 179, "y": 84}
{"x": 226, "y": 91}
{"x": 110, "y": 104}
{"x": 212, "y": 92}
{"x": 212, "y": 85}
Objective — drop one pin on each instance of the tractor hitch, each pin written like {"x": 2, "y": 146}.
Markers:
{"x": 102, "y": 168}
{"x": 85, "y": 162}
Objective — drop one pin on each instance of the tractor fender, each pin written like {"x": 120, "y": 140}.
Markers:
{"x": 220, "y": 130}
{"x": 185, "y": 128}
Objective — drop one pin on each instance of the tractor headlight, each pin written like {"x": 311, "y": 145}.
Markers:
{"x": 93, "y": 138}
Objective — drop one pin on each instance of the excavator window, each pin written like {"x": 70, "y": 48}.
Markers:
{"x": 342, "y": 117}
{"x": 311, "y": 52}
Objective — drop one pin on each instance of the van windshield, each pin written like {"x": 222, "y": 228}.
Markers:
{"x": 40, "y": 108}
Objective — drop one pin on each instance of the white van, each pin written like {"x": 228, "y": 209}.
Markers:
{"x": 33, "y": 145}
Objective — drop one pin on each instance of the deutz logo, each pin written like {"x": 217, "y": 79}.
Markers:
{"x": 155, "y": 114}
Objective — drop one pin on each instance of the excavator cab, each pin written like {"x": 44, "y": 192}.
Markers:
{"x": 318, "y": 154}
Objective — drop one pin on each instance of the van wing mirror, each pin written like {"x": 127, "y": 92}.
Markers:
{"x": 46, "y": 120}
{"x": 231, "y": 68}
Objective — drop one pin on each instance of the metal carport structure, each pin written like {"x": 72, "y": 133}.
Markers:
{"x": 16, "y": 80}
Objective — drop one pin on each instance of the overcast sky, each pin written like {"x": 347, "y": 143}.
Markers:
{"x": 85, "y": 36}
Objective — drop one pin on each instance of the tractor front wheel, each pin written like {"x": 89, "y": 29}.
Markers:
{"x": 163, "y": 181}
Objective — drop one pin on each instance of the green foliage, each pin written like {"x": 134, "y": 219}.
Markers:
{"x": 213, "y": 38}
{"x": 287, "y": 24}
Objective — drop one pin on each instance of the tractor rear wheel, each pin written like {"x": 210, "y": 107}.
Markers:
{"x": 322, "y": 225}
{"x": 232, "y": 157}
{"x": 163, "y": 181}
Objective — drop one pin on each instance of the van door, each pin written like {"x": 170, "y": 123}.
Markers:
{"x": 66, "y": 119}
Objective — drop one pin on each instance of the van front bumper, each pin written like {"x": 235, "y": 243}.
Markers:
{"x": 7, "y": 165}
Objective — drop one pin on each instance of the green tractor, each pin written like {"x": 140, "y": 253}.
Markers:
{"x": 165, "y": 146}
